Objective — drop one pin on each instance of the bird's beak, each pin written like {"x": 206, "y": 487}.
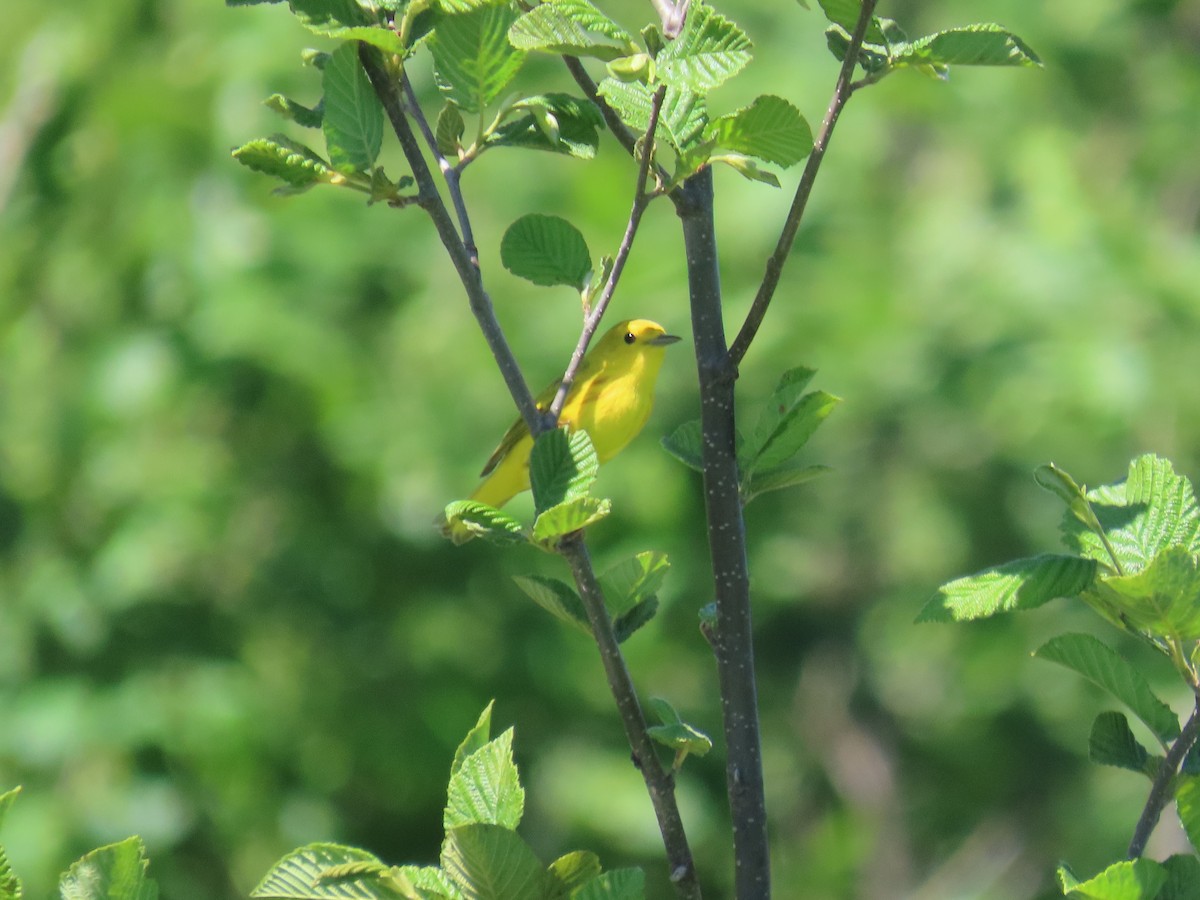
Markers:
{"x": 663, "y": 339}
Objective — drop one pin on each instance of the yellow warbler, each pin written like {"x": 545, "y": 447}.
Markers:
{"x": 610, "y": 398}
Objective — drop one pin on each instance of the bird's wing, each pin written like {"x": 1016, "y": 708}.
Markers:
{"x": 518, "y": 430}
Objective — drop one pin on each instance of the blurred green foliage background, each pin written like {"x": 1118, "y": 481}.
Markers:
{"x": 227, "y": 420}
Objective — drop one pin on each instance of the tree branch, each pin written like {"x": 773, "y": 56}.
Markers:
{"x": 842, "y": 92}
{"x": 592, "y": 319}
{"x": 660, "y": 784}
{"x": 733, "y": 642}
{"x": 1161, "y": 788}
{"x": 465, "y": 264}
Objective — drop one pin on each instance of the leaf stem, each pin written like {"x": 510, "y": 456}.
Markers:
{"x": 465, "y": 263}
{"x": 660, "y": 784}
{"x": 1162, "y": 788}
{"x": 842, "y": 91}
{"x": 592, "y": 320}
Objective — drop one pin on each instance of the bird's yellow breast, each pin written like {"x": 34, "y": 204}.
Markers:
{"x": 613, "y": 407}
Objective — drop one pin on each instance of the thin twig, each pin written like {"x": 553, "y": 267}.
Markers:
{"x": 660, "y": 784}
{"x": 1161, "y": 788}
{"x": 431, "y": 201}
{"x": 450, "y": 173}
{"x": 841, "y": 94}
{"x": 592, "y": 320}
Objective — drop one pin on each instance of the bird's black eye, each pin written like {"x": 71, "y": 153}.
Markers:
{"x": 630, "y": 337}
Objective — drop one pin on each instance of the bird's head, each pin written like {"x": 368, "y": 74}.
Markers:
{"x": 635, "y": 336}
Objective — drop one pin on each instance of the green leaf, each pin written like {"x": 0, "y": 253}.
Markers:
{"x": 787, "y": 420}
{"x": 626, "y": 624}
{"x": 473, "y": 60}
{"x": 984, "y": 44}
{"x": 577, "y": 126}
{"x": 619, "y": 884}
{"x": 685, "y": 443}
{"x": 298, "y": 876}
{"x": 710, "y": 50}
{"x": 10, "y": 884}
{"x": 114, "y": 872}
{"x": 476, "y": 739}
{"x": 1138, "y": 879}
{"x": 296, "y": 112}
{"x": 681, "y": 120}
{"x": 1183, "y": 878}
{"x": 282, "y": 158}
{"x": 449, "y": 131}
{"x": 778, "y": 478}
{"x": 1187, "y": 802}
{"x": 573, "y": 870}
{"x": 562, "y": 466}
{"x": 570, "y": 28}
{"x": 1101, "y": 665}
{"x": 674, "y": 732}
{"x": 630, "y": 582}
{"x": 846, "y": 12}
{"x": 557, "y": 598}
{"x": 490, "y": 862}
{"x": 1021, "y": 584}
{"x": 546, "y": 250}
{"x": 347, "y": 20}
{"x": 480, "y": 520}
{"x": 486, "y": 788}
{"x": 770, "y": 129}
{"x": 1111, "y": 743}
{"x": 424, "y": 883}
{"x": 353, "y": 121}
{"x": 873, "y": 58}
{"x": 743, "y": 165}
{"x": 570, "y": 515}
{"x": 1151, "y": 510}
{"x": 1163, "y": 599}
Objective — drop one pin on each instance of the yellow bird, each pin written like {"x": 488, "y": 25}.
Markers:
{"x": 610, "y": 399}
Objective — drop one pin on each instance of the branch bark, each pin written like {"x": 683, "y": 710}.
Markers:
{"x": 1160, "y": 790}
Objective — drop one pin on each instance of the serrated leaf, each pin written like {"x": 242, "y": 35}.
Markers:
{"x": 984, "y": 44}
{"x": 477, "y": 737}
{"x": 557, "y": 598}
{"x": 788, "y": 419}
{"x": 490, "y": 862}
{"x": 353, "y": 121}
{"x": 486, "y": 788}
{"x": 619, "y": 884}
{"x": 681, "y": 737}
{"x": 710, "y": 50}
{"x": 1183, "y": 878}
{"x": 282, "y": 158}
{"x": 569, "y": 516}
{"x": 629, "y": 582}
{"x": 682, "y": 118}
{"x": 1020, "y": 584}
{"x": 1138, "y": 879}
{"x": 466, "y": 519}
{"x": 685, "y": 443}
{"x": 1111, "y": 743}
{"x": 1151, "y": 510}
{"x": 425, "y": 883}
{"x": 779, "y": 478}
{"x": 473, "y": 60}
{"x": 1101, "y": 665}
{"x": 578, "y": 124}
{"x": 562, "y": 466}
{"x": 449, "y": 131}
{"x": 347, "y": 20}
{"x": 546, "y": 250}
{"x": 770, "y": 129}
{"x": 626, "y": 624}
{"x": 574, "y": 869}
{"x": 115, "y": 872}
{"x": 10, "y": 884}
{"x": 298, "y": 875}
{"x": 1164, "y": 598}
{"x": 296, "y": 112}
{"x": 1187, "y": 802}
{"x": 571, "y": 28}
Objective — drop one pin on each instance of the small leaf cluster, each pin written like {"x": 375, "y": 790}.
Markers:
{"x": 767, "y": 455}
{"x": 114, "y": 872}
{"x": 1135, "y": 560}
{"x": 482, "y": 854}
{"x": 886, "y": 48}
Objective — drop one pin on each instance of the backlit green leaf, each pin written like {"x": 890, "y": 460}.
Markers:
{"x": 486, "y": 788}
{"x": 572, "y": 28}
{"x": 619, "y": 884}
{"x": 1187, "y": 802}
{"x": 770, "y": 129}
{"x": 115, "y": 872}
{"x": 476, "y": 738}
{"x": 577, "y": 122}
{"x": 1164, "y": 598}
{"x": 685, "y": 443}
{"x": 974, "y": 45}
{"x": 557, "y": 598}
{"x": 570, "y": 515}
{"x": 1021, "y": 584}
{"x": 562, "y": 466}
{"x": 482, "y": 521}
{"x": 473, "y": 60}
{"x": 710, "y": 50}
{"x": 347, "y": 20}
{"x": 490, "y": 862}
{"x": 682, "y": 118}
{"x": 284, "y": 159}
{"x": 353, "y": 121}
{"x": 1139, "y": 879}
